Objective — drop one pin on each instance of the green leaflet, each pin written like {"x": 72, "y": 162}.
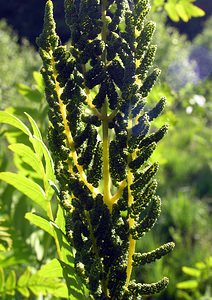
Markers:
{"x": 37, "y": 156}
{"x": 37, "y": 134}
{"x": 182, "y": 9}
{"x": 32, "y": 95}
{"x": 51, "y": 269}
{"x": 33, "y": 157}
{"x": 28, "y": 156}
{"x": 27, "y": 187}
{"x": 24, "y": 278}
{"x": 12, "y": 120}
{"x": 49, "y": 167}
{"x": 191, "y": 271}
{"x": 35, "y": 283}
{"x": 2, "y": 279}
{"x": 10, "y": 283}
{"x": 188, "y": 284}
{"x": 40, "y": 222}
{"x": 65, "y": 266}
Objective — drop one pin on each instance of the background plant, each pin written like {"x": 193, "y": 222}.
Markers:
{"x": 199, "y": 284}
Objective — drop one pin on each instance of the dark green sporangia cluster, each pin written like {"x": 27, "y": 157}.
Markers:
{"x": 101, "y": 139}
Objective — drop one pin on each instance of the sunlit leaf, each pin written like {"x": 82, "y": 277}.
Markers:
{"x": 51, "y": 269}
{"x": 2, "y": 280}
{"x": 158, "y": 3}
{"x": 194, "y": 11}
{"x": 10, "y": 283}
{"x": 40, "y": 222}
{"x": 200, "y": 265}
{"x": 181, "y": 10}
{"x": 37, "y": 134}
{"x": 39, "y": 81}
{"x": 188, "y": 284}
{"x": 209, "y": 261}
{"x": 170, "y": 8}
{"x": 60, "y": 219}
{"x": 12, "y": 120}
{"x": 26, "y": 186}
{"x": 49, "y": 168}
{"x": 24, "y": 278}
{"x": 191, "y": 271}
{"x": 38, "y": 284}
{"x": 24, "y": 291}
{"x": 29, "y": 93}
{"x": 28, "y": 156}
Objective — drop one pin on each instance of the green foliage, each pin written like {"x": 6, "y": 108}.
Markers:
{"x": 199, "y": 287}
{"x": 35, "y": 179}
{"x": 187, "y": 222}
{"x": 205, "y": 38}
{"x": 179, "y": 9}
{"x": 17, "y": 64}
{"x": 96, "y": 91}
{"x": 48, "y": 280}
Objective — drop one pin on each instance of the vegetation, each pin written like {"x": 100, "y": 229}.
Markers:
{"x": 34, "y": 260}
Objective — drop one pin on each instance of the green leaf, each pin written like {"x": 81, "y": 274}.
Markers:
{"x": 43, "y": 285}
{"x": 26, "y": 186}
{"x": 170, "y": 8}
{"x": 2, "y": 280}
{"x": 24, "y": 278}
{"x": 49, "y": 168}
{"x": 60, "y": 219}
{"x": 39, "y": 81}
{"x": 157, "y": 3}
{"x": 188, "y": 284}
{"x": 194, "y": 11}
{"x": 12, "y": 120}
{"x": 42, "y": 223}
{"x": 37, "y": 134}
{"x": 10, "y": 284}
{"x": 209, "y": 261}
{"x": 54, "y": 187}
{"x": 28, "y": 156}
{"x": 73, "y": 282}
{"x": 23, "y": 291}
{"x": 200, "y": 265}
{"x": 191, "y": 271}
{"x": 36, "y": 131}
{"x": 181, "y": 10}
{"x": 29, "y": 93}
{"x": 51, "y": 269}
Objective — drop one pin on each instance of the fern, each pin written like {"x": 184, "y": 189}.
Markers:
{"x": 101, "y": 140}
{"x": 42, "y": 282}
{"x": 35, "y": 179}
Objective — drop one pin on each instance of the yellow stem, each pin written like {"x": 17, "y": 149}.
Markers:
{"x": 119, "y": 192}
{"x": 104, "y": 111}
{"x": 132, "y": 242}
{"x": 69, "y": 138}
{"x": 106, "y": 171}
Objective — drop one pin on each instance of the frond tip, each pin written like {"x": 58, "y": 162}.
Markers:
{"x": 145, "y": 258}
{"x": 48, "y": 39}
{"x": 137, "y": 289}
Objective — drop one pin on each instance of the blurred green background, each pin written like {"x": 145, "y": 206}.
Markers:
{"x": 185, "y": 178}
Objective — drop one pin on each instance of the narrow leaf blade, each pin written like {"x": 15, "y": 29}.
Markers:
{"x": 40, "y": 222}
{"x": 26, "y": 186}
{"x": 7, "y": 118}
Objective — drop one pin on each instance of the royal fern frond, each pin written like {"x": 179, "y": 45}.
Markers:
{"x": 101, "y": 139}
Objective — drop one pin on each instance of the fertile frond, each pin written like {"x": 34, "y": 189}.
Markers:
{"x": 101, "y": 138}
